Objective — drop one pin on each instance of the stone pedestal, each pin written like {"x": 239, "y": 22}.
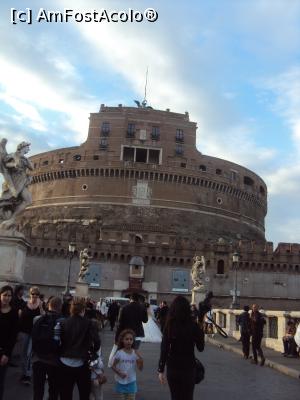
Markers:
{"x": 82, "y": 289}
{"x": 13, "y": 248}
{"x": 198, "y": 295}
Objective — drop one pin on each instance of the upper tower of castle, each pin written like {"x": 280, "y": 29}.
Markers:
{"x": 141, "y": 156}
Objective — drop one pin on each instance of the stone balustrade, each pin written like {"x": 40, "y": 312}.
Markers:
{"x": 274, "y": 330}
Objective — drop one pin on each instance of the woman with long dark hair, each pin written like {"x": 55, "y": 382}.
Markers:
{"x": 8, "y": 331}
{"x": 180, "y": 336}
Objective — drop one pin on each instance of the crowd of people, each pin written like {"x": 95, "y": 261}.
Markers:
{"x": 59, "y": 343}
{"x": 251, "y": 329}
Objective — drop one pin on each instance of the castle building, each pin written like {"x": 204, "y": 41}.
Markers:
{"x": 144, "y": 201}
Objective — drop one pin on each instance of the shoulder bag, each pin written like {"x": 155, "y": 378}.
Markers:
{"x": 200, "y": 371}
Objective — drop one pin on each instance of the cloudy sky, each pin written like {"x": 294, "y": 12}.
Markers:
{"x": 233, "y": 64}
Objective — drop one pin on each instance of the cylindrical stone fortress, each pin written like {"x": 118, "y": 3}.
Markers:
{"x": 140, "y": 167}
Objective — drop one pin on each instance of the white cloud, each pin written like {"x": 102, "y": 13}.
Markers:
{"x": 282, "y": 93}
{"x": 285, "y": 180}
{"x": 286, "y": 88}
{"x": 30, "y": 94}
{"x": 26, "y": 112}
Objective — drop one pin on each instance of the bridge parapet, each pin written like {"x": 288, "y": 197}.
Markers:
{"x": 274, "y": 330}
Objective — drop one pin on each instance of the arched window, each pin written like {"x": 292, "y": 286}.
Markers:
{"x": 248, "y": 181}
{"x": 262, "y": 191}
{"x": 138, "y": 239}
{"x": 220, "y": 267}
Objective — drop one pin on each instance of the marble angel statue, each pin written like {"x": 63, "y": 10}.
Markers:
{"x": 198, "y": 271}
{"x": 15, "y": 195}
{"x": 84, "y": 263}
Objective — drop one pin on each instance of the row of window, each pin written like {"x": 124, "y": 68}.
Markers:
{"x": 169, "y": 260}
{"x": 150, "y": 175}
{"x": 131, "y": 131}
{"x": 179, "y": 151}
{"x": 260, "y": 266}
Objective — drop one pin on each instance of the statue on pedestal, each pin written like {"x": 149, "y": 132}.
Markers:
{"x": 84, "y": 263}
{"x": 15, "y": 195}
{"x": 197, "y": 273}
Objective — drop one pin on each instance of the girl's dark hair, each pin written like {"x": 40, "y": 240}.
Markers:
{"x": 6, "y": 288}
{"x": 123, "y": 333}
{"x": 179, "y": 315}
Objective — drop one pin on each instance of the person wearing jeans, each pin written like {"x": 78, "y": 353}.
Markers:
{"x": 45, "y": 358}
{"x": 33, "y": 308}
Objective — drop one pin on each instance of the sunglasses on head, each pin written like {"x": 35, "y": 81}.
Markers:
{"x": 34, "y": 294}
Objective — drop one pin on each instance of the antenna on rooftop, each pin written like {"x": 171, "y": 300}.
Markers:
{"x": 143, "y": 104}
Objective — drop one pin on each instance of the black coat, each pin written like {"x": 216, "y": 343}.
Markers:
{"x": 132, "y": 316}
{"x": 257, "y": 324}
{"x": 244, "y": 322}
{"x": 162, "y": 314}
{"x": 113, "y": 311}
{"x": 177, "y": 348}
{"x": 79, "y": 335}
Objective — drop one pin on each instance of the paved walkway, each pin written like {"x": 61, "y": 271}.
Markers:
{"x": 274, "y": 359}
{"x": 227, "y": 375}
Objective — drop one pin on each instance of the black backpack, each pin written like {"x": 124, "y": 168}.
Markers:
{"x": 43, "y": 342}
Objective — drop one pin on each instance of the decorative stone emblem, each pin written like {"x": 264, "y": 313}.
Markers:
{"x": 141, "y": 193}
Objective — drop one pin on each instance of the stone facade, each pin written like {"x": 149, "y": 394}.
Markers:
{"x": 139, "y": 187}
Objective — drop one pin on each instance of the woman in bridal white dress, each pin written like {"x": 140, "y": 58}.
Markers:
{"x": 151, "y": 330}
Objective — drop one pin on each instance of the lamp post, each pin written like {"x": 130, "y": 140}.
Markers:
{"x": 72, "y": 248}
{"x": 235, "y": 262}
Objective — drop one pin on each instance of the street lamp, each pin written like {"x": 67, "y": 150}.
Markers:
{"x": 235, "y": 262}
{"x": 72, "y": 248}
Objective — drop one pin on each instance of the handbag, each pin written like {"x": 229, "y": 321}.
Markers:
{"x": 92, "y": 359}
{"x": 101, "y": 378}
{"x": 200, "y": 371}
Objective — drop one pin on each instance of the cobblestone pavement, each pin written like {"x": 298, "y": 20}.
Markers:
{"x": 228, "y": 376}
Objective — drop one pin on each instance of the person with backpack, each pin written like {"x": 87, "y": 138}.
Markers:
{"x": 45, "y": 346}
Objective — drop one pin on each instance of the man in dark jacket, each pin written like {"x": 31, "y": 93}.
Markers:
{"x": 244, "y": 323}
{"x": 257, "y": 322}
{"x": 112, "y": 314}
{"x": 132, "y": 316}
{"x": 46, "y": 352}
